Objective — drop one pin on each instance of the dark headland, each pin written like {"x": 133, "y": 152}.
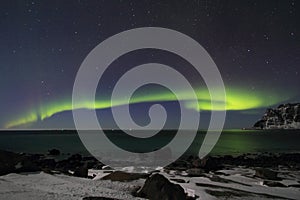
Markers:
{"x": 285, "y": 116}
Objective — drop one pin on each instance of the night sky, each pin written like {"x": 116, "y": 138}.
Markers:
{"x": 255, "y": 45}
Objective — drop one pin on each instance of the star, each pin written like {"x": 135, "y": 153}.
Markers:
{"x": 49, "y": 39}
{"x": 266, "y": 37}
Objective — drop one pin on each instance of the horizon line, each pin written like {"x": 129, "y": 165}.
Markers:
{"x": 112, "y": 129}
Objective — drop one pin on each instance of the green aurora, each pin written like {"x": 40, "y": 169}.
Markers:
{"x": 236, "y": 99}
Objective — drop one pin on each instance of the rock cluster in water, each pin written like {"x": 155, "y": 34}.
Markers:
{"x": 19, "y": 163}
{"x": 285, "y": 116}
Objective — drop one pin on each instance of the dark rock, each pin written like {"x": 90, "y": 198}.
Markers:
{"x": 26, "y": 166}
{"x": 75, "y": 160}
{"x": 214, "y": 163}
{"x": 260, "y": 124}
{"x": 54, "y": 152}
{"x": 89, "y": 158}
{"x": 98, "y": 165}
{"x": 266, "y": 174}
{"x": 64, "y": 166}
{"x": 8, "y": 161}
{"x": 196, "y": 163}
{"x": 75, "y": 157}
{"x": 47, "y": 163}
{"x": 92, "y": 162}
{"x": 134, "y": 190}
{"x": 273, "y": 184}
{"x": 72, "y": 163}
{"x": 16, "y": 163}
{"x": 297, "y": 118}
{"x": 179, "y": 165}
{"x": 124, "y": 176}
{"x": 81, "y": 171}
{"x": 36, "y": 157}
{"x": 211, "y": 164}
{"x": 158, "y": 187}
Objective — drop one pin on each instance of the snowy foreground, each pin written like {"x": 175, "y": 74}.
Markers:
{"x": 237, "y": 183}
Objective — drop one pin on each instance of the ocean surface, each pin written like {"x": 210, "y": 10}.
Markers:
{"x": 231, "y": 142}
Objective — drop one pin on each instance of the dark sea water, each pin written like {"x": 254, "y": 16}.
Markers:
{"x": 231, "y": 142}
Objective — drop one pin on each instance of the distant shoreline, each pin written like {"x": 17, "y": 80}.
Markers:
{"x": 73, "y": 131}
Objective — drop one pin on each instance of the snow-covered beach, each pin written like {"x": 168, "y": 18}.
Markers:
{"x": 236, "y": 183}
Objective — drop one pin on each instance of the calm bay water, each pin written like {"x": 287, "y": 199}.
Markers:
{"x": 231, "y": 142}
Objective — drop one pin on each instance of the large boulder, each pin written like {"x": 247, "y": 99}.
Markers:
{"x": 157, "y": 187}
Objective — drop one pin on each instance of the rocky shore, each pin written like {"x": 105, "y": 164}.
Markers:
{"x": 187, "y": 178}
{"x": 77, "y": 165}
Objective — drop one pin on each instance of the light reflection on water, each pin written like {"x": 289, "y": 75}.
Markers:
{"x": 231, "y": 142}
